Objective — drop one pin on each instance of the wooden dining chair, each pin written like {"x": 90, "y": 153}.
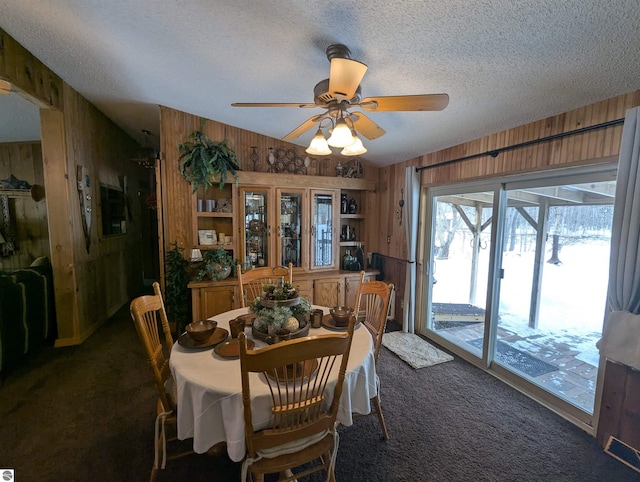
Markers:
{"x": 372, "y": 308}
{"x": 250, "y": 282}
{"x": 152, "y": 325}
{"x": 302, "y": 428}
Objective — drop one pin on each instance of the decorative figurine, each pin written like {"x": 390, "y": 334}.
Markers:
{"x": 353, "y": 207}
{"x": 344, "y": 204}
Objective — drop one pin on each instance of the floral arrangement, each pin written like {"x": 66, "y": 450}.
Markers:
{"x": 274, "y": 318}
{"x": 283, "y": 292}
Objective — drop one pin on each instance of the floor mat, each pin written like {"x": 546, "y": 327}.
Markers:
{"x": 414, "y": 350}
{"x": 514, "y": 358}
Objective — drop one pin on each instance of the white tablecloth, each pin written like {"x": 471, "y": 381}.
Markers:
{"x": 209, "y": 390}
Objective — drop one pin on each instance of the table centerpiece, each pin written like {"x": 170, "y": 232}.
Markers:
{"x": 280, "y": 312}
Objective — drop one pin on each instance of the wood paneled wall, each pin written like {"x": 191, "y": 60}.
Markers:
{"x": 176, "y": 196}
{"x": 24, "y": 161}
{"x": 28, "y": 76}
{"x": 620, "y": 410}
{"x": 89, "y": 286}
{"x": 111, "y": 272}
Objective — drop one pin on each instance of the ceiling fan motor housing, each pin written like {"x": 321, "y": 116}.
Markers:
{"x": 322, "y": 97}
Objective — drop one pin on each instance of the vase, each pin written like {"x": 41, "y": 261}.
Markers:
{"x": 219, "y": 272}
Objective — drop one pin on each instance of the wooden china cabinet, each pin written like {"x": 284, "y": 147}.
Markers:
{"x": 274, "y": 219}
{"x": 282, "y": 225}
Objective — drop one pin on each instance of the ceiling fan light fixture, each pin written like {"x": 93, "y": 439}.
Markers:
{"x": 341, "y": 135}
{"x": 354, "y": 149}
{"x": 318, "y": 145}
{"x": 146, "y": 156}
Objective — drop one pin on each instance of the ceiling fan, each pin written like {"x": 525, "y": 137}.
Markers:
{"x": 339, "y": 94}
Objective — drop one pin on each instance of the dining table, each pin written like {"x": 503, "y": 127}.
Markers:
{"x": 209, "y": 387}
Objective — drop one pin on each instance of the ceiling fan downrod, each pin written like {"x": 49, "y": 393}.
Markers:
{"x": 338, "y": 51}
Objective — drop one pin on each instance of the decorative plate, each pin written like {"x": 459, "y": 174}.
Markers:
{"x": 218, "y": 336}
{"x": 231, "y": 348}
{"x": 329, "y": 323}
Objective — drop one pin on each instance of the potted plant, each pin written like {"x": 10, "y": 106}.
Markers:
{"x": 217, "y": 264}
{"x": 176, "y": 292}
{"x": 202, "y": 160}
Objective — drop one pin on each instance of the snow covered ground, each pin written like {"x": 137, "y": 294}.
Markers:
{"x": 573, "y": 294}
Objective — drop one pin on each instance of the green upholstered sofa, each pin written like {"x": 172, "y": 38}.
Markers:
{"x": 27, "y": 312}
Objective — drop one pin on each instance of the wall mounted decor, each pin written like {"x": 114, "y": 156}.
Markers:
{"x": 286, "y": 160}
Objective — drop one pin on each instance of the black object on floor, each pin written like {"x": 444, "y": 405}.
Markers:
{"x": 623, "y": 452}
{"x": 514, "y": 358}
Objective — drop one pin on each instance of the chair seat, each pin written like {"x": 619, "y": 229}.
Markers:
{"x": 293, "y": 446}
{"x": 284, "y": 461}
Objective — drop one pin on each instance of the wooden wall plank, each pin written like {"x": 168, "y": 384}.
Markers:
{"x": 24, "y": 161}
{"x": 28, "y": 75}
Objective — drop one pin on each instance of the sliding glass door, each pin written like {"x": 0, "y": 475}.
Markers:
{"x": 555, "y": 260}
{"x": 460, "y": 262}
{"x": 517, "y": 280}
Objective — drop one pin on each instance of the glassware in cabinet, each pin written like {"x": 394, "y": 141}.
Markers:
{"x": 324, "y": 222}
{"x": 352, "y": 225}
{"x": 292, "y": 227}
{"x": 256, "y": 226}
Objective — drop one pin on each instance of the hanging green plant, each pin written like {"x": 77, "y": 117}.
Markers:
{"x": 202, "y": 160}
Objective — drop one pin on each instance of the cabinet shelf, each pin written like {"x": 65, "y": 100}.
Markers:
{"x": 216, "y": 246}
{"x": 352, "y": 216}
{"x": 354, "y": 243}
{"x": 204, "y": 214}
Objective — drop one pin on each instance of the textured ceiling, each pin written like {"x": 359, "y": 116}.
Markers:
{"x": 502, "y": 62}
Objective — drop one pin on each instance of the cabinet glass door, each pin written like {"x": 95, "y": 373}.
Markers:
{"x": 291, "y": 228}
{"x": 323, "y": 228}
{"x": 256, "y": 228}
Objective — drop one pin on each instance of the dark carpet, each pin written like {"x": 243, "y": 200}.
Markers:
{"x": 517, "y": 359}
{"x": 86, "y": 413}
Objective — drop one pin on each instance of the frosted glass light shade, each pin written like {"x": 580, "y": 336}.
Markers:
{"x": 341, "y": 135}
{"x": 354, "y": 149}
{"x": 318, "y": 145}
